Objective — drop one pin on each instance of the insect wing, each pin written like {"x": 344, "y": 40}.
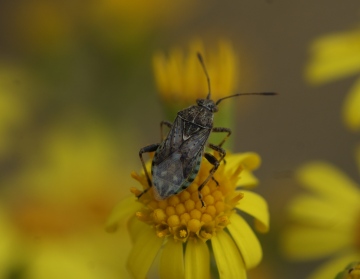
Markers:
{"x": 168, "y": 176}
{"x": 192, "y": 150}
{"x": 171, "y": 175}
{"x": 170, "y": 144}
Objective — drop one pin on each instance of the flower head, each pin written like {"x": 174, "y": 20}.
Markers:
{"x": 180, "y": 79}
{"x": 352, "y": 271}
{"x": 337, "y": 56}
{"x": 327, "y": 220}
{"x": 180, "y": 222}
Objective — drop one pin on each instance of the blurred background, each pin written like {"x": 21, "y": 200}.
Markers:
{"x": 78, "y": 100}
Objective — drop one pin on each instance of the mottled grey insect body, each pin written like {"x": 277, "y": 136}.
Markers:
{"x": 178, "y": 158}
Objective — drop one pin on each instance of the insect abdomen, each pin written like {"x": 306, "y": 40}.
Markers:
{"x": 168, "y": 176}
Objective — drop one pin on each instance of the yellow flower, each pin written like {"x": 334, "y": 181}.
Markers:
{"x": 352, "y": 271}
{"x": 180, "y": 78}
{"x": 57, "y": 203}
{"x": 327, "y": 220}
{"x": 337, "y": 56}
{"x": 88, "y": 254}
{"x": 176, "y": 234}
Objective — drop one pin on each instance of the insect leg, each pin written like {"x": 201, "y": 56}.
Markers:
{"x": 147, "y": 149}
{"x": 162, "y": 123}
{"x": 216, "y": 163}
{"x": 222, "y": 130}
{"x": 217, "y": 183}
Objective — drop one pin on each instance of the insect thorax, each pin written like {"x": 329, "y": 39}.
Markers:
{"x": 198, "y": 115}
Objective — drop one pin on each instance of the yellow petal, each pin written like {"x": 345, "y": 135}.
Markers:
{"x": 245, "y": 240}
{"x": 172, "y": 260}
{"x": 227, "y": 62}
{"x": 122, "y": 210}
{"x": 160, "y": 73}
{"x": 351, "y": 107}
{"x": 135, "y": 227}
{"x": 197, "y": 260}
{"x": 249, "y": 160}
{"x": 331, "y": 184}
{"x": 175, "y": 69}
{"x": 334, "y": 56}
{"x": 195, "y": 80}
{"x": 333, "y": 267}
{"x": 302, "y": 243}
{"x": 313, "y": 211}
{"x": 256, "y": 206}
{"x": 247, "y": 179}
{"x": 45, "y": 264}
{"x": 143, "y": 253}
{"x": 227, "y": 256}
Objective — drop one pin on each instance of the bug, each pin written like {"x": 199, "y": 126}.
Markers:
{"x": 178, "y": 157}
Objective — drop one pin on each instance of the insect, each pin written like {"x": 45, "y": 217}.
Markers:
{"x": 177, "y": 158}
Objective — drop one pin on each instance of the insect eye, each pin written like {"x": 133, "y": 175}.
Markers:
{"x": 200, "y": 102}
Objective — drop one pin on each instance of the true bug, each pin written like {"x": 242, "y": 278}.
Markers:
{"x": 178, "y": 157}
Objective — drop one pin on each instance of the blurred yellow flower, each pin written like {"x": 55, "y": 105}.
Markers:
{"x": 77, "y": 160}
{"x": 327, "y": 220}
{"x": 182, "y": 230}
{"x": 337, "y": 56}
{"x": 181, "y": 80}
{"x": 80, "y": 254}
{"x": 57, "y": 205}
{"x": 352, "y": 271}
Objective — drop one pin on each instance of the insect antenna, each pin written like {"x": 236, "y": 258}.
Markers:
{"x": 242, "y": 94}
{"x": 206, "y": 73}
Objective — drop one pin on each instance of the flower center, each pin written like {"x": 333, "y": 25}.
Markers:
{"x": 182, "y": 215}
